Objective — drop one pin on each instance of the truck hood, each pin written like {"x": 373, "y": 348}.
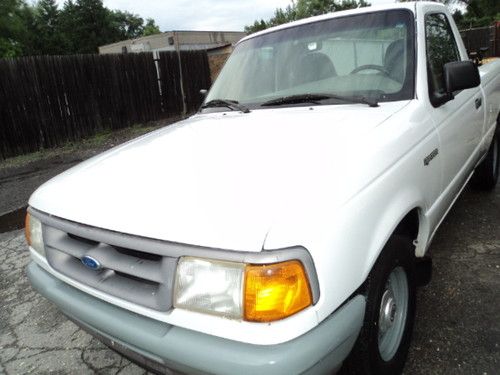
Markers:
{"x": 220, "y": 180}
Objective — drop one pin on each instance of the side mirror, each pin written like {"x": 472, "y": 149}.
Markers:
{"x": 460, "y": 75}
{"x": 203, "y": 93}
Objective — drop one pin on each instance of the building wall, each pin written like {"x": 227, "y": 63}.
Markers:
{"x": 143, "y": 44}
{"x": 216, "y": 62}
{"x": 217, "y": 57}
{"x": 167, "y": 41}
{"x": 209, "y": 37}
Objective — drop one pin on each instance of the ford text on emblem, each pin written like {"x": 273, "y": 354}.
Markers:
{"x": 91, "y": 263}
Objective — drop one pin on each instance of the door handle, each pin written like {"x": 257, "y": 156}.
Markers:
{"x": 479, "y": 101}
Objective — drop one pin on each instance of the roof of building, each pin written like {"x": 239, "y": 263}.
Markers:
{"x": 143, "y": 39}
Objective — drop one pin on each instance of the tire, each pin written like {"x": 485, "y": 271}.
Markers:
{"x": 387, "y": 355}
{"x": 486, "y": 174}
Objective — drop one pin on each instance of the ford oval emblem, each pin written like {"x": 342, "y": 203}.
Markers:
{"x": 91, "y": 263}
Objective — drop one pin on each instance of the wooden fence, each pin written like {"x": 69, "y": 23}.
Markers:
{"x": 46, "y": 101}
{"x": 483, "y": 37}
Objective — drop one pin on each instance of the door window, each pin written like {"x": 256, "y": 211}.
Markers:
{"x": 441, "y": 48}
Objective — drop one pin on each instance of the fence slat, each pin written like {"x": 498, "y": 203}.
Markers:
{"x": 46, "y": 101}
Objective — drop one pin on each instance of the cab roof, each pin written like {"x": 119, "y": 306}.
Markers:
{"x": 413, "y": 6}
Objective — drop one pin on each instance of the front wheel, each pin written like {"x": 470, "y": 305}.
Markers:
{"x": 486, "y": 174}
{"x": 384, "y": 340}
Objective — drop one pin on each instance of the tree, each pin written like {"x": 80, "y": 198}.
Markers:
{"x": 67, "y": 26}
{"x": 282, "y": 16}
{"x": 477, "y": 13}
{"x": 48, "y": 39}
{"x": 79, "y": 26}
{"x": 257, "y": 26}
{"x": 11, "y": 28}
{"x": 308, "y": 8}
{"x": 302, "y": 9}
{"x": 92, "y": 26}
{"x": 87, "y": 24}
{"x": 150, "y": 28}
{"x": 126, "y": 25}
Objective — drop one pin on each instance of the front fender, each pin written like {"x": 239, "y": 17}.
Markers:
{"x": 345, "y": 246}
{"x": 345, "y": 241}
{"x": 385, "y": 179}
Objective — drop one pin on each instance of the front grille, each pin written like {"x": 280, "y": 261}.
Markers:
{"x": 130, "y": 273}
{"x": 138, "y": 254}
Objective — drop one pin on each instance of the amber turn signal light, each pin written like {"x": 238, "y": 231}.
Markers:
{"x": 275, "y": 291}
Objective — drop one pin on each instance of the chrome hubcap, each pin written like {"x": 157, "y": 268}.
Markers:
{"x": 392, "y": 314}
{"x": 388, "y": 310}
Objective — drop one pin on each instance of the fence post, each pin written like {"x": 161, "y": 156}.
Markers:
{"x": 177, "y": 48}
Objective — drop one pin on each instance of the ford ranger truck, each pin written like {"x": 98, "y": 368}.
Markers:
{"x": 283, "y": 228}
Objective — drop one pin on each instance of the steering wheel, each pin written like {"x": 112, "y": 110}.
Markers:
{"x": 370, "y": 67}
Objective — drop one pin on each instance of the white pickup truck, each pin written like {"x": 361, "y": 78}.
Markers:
{"x": 283, "y": 228}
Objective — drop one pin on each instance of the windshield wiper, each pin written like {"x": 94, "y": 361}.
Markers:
{"x": 232, "y": 104}
{"x": 316, "y": 98}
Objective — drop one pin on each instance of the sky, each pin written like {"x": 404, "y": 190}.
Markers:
{"x": 200, "y": 14}
{"x": 217, "y": 15}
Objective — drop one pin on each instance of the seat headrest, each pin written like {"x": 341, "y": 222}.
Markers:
{"x": 394, "y": 61}
{"x": 312, "y": 67}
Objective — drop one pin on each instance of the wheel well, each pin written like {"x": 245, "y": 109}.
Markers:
{"x": 408, "y": 227}
{"x": 410, "y": 224}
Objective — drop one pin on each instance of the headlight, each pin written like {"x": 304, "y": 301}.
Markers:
{"x": 33, "y": 232}
{"x": 209, "y": 286}
{"x": 259, "y": 293}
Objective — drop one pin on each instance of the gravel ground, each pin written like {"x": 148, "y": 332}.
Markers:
{"x": 456, "y": 331}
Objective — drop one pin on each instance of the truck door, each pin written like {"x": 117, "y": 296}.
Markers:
{"x": 459, "y": 121}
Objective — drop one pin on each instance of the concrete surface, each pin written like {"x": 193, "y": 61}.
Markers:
{"x": 34, "y": 336}
{"x": 456, "y": 332}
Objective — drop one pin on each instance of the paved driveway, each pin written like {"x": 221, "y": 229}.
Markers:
{"x": 34, "y": 336}
{"x": 457, "y": 328}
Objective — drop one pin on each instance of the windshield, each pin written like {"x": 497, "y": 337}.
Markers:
{"x": 367, "y": 55}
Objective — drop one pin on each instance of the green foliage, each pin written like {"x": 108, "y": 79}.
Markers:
{"x": 307, "y": 8}
{"x": 303, "y": 9}
{"x": 257, "y": 26}
{"x": 478, "y": 13}
{"x": 79, "y": 26}
{"x": 93, "y": 25}
{"x": 67, "y": 20}
{"x": 150, "y": 28}
{"x": 126, "y": 25}
{"x": 11, "y": 28}
{"x": 44, "y": 29}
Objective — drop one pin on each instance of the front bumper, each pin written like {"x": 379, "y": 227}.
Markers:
{"x": 162, "y": 346}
